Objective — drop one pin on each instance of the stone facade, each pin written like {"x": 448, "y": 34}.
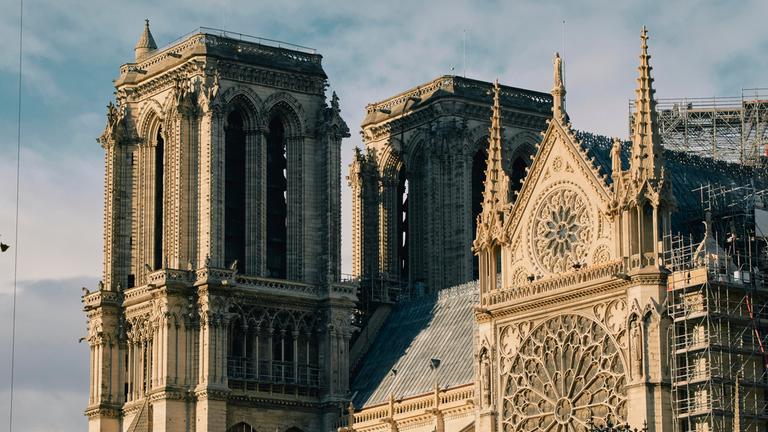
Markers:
{"x": 222, "y": 308}
{"x": 570, "y": 326}
{"x": 221, "y": 305}
{"x": 416, "y": 189}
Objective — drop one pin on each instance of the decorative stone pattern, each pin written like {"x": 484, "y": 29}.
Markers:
{"x": 174, "y": 330}
{"x": 581, "y": 339}
{"x": 432, "y": 134}
{"x": 562, "y": 230}
{"x": 567, "y": 372}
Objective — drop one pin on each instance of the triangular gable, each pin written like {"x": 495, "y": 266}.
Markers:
{"x": 558, "y": 218}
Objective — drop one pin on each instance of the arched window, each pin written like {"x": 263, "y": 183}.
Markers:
{"x": 159, "y": 191}
{"x": 478, "y": 186}
{"x": 277, "y": 207}
{"x": 241, "y": 427}
{"x": 234, "y": 186}
{"x": 402, "y": 225}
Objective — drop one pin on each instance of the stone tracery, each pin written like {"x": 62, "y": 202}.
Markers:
{"x": 562, "y": 230}
{"x": 567, "y": 371}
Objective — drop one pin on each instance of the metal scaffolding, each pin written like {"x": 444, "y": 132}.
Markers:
{"x": 732, "y": 129}
{"x": 718, "y": 305}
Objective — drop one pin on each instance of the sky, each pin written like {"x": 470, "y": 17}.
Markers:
{"x": 371, "y": 50}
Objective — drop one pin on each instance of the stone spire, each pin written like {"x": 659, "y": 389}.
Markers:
{"x": 495, "y": 177}
{"x": 647, "y": 157}
{"x": 558, "y": 90}
{"x": 146, "y": 43}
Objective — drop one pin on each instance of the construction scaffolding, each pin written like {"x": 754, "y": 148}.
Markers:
{"x": 732, "y": 129}
{"x": 718, "y": 304}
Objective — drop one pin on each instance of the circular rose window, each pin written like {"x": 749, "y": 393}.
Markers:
{"x": 566, "y": 372}
{"x": 562, "y": 230}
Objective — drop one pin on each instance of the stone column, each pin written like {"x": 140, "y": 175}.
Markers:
{"x": 255, "y": 142}
{"x": 103, "y": 337}
{"x": 210, "y": 229}
{"x": 211, "y": 392}
{"x": 389, "y": 214}
{"x": 649, "y": 392}
{"x": 296, "y": 208}
{"x": 117, "y": 217}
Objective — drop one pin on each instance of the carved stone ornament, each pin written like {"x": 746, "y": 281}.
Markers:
{"x": 566, "y": 372}
{"x": 562, "y": 230}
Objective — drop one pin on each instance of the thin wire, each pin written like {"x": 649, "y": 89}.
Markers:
{"x": 16, "y": 221}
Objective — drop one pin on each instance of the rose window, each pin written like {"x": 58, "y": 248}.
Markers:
{"x": 561, "y": 231}
{"x": 566, "y": 372}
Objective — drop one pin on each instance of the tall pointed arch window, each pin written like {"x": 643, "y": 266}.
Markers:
{"x": 402, "y": 225}
{"x": 234, "y": 187}
{"x": 157, "y": 247}
{"x": 277, "y": 205}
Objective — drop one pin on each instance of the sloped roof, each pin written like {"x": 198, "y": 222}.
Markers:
{"x": 687, "y": 172}
{"x": 437, "y": 326}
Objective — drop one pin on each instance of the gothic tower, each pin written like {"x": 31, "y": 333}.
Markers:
{"x": 418, "y": 188}
{"x": 221, "y": 305}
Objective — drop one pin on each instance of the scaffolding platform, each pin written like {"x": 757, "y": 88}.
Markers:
{"x": 717, "y": 302}
{"x": 731, "y": 129}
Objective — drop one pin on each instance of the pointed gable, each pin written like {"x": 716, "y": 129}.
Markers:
{"x": 558, "y": 220}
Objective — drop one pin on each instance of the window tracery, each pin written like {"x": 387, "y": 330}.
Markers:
{"x": 562, "y": 230}
{"x": 567, "y": 371}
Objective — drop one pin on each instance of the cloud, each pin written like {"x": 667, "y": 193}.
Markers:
{"x": 371, "y": 50}
{"x": 51, "y": 368}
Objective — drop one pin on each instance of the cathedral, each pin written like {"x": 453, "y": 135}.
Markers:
{"x": 511, "y": 272}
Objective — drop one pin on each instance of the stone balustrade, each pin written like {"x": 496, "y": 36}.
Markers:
{"x": 570, "y": 279}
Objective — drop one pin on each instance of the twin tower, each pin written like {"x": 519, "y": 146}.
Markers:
{"x": 222, "y": 304}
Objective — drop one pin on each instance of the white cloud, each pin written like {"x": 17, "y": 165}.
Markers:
{"x": 371, "y": 50}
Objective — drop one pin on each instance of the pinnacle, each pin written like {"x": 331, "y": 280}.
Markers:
{"x": 493, "y": 170}
{"x": 646, "y": 141}
{"x": 146, "y": 42}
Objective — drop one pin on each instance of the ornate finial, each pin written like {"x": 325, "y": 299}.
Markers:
{"x": 146, "y": 43}
{"x": 494, "y": 173}
{"x": 558, "y": 90}
{"x": 647, "y": 159}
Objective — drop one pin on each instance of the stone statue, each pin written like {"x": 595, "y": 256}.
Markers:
{"x": 616, "y": 155}
{"x": 637, "y": 348}
{"x": 485, "y": 378}
{"x": 558, "y": 62}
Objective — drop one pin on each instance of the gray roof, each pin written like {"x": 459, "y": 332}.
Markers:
{"x": 687, "y": 172}
{"x": 440, "y": 326}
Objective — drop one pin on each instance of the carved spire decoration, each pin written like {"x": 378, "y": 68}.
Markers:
{"x": 146, "y": 43}
{"x": 647, "y": 158}
{"x": 495, "y": 194}
{"x": 558, "y": 90}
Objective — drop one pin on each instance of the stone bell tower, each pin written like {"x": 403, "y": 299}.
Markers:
{"x": 221, "y": 306}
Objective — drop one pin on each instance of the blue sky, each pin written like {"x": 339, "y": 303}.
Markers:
{"x": 371, "y": 50}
